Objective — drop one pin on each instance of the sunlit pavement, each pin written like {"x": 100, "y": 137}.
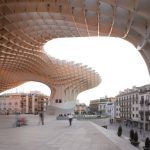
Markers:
{"x": 57, "y": 135}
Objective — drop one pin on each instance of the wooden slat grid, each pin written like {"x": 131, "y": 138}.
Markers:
{"x": 26, "y": 25}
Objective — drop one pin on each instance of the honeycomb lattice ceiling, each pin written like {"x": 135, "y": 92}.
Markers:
{"x": 25, "y": 25}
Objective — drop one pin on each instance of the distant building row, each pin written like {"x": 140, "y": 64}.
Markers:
{"x": 103, "y": 107}
{"x": 29, "y": 103}
{"x": 132, "y": 106}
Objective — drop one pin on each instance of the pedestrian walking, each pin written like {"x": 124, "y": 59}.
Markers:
{"x": 70, "y": 118}
{"x": 41, "y": 117}
{"x": 141, "y": 131}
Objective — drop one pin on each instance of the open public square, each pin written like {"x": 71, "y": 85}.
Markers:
{"x": 64, "y": 59}
{"x": 57, "y": 135}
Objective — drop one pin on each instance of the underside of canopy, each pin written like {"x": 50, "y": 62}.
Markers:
{"x": 26, "y": 25}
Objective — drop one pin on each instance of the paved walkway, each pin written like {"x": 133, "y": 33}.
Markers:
{"x": 57, "y": 135}
{"x": 113, "y": 128}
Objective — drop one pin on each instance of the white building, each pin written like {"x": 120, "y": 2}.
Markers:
{"x": 144, "y": 109}
{"x": 110, "y": 110}
{"x": 102, "y": 107}
{"x": 133, "y": 106}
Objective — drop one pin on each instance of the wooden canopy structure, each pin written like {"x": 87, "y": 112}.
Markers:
{"x": 26, "y": 25}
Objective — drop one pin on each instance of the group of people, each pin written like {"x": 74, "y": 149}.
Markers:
{"x": 41, "y": 118}
{"x": 67, "y": 116}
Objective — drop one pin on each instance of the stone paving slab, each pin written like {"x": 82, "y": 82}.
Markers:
{"x": 56, "y": 135}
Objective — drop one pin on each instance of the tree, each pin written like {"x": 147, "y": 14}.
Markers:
{"x": 147, "y": 144}
{"x": 131, "y": 134}
{"x": 135, "y": 140}
{"x": 119, "y": 133}
{"x": 136, "y": 137}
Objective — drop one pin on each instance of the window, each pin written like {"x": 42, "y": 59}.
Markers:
{"x": 136, "y": 96}
{"x": 142, "y": 98}
{"x": 147, "y": 97}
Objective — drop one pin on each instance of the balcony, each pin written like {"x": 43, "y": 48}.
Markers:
{"x": 147, "y": 103}
{"x": 142, "y": 102}
{"x": 147, "y": 115}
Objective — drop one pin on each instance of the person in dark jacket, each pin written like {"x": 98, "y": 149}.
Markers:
{"x": 41, "y": 116}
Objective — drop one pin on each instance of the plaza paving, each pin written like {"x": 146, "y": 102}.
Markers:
{"x": 57, "y": 135}
{"x": 125, "y": 130}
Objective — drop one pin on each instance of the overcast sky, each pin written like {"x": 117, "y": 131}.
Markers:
{"x": 117, "y": 61}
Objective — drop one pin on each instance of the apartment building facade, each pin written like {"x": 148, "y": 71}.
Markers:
{"x": 110, "y": 110}
{"x": 132, "y": 105}
{"x": 29, "y": 103}
{"x": 80, "y": 108}
{"x": 9, "y": 104}
{"x": 103, "y": 106}
{"x": 144, "y": 109}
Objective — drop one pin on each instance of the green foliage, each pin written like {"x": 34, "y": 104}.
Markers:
{"x": 119, "y": 133}
{"x": 147, "y": 143}
{"x": 131, "y": 134}
{"x": 136, "y": 137}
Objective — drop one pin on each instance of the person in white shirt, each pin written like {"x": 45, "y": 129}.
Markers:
{"x": 70, "y": 118}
